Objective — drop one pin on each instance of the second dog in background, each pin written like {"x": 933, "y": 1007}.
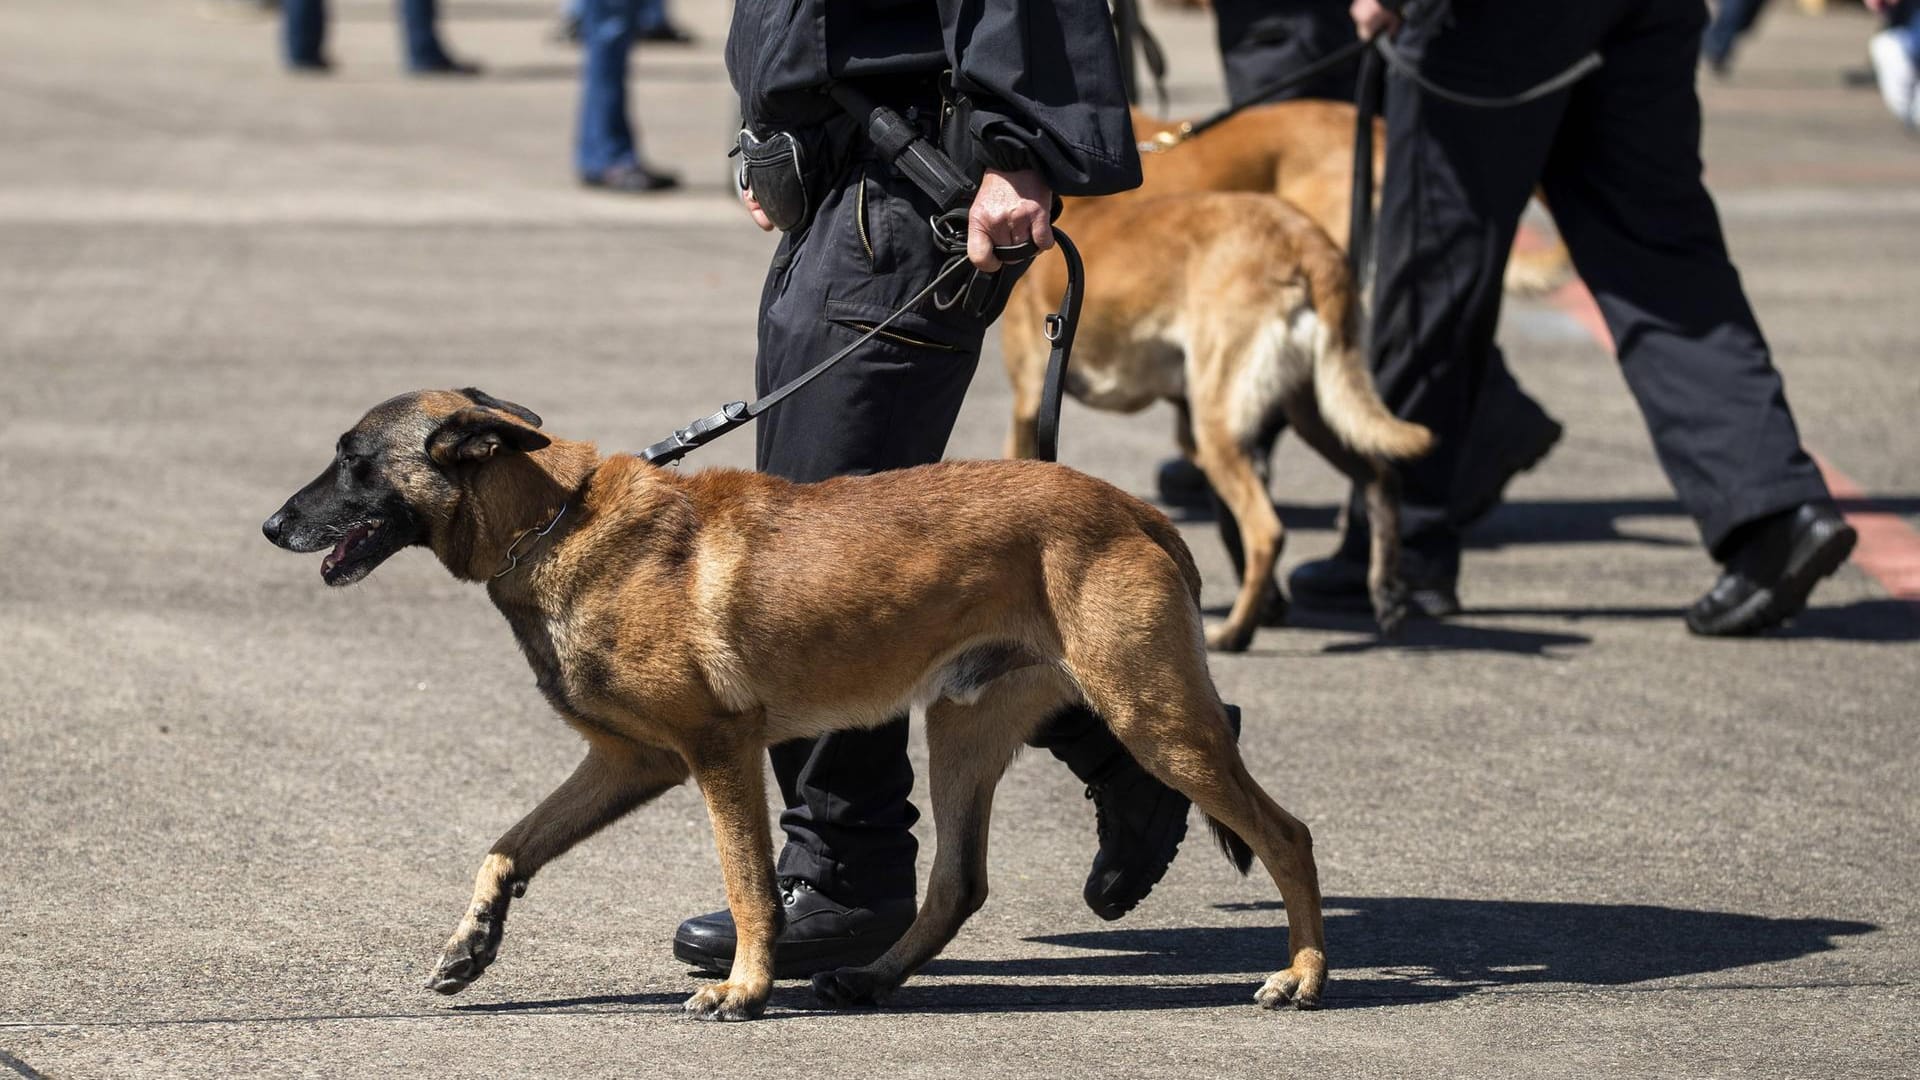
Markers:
{"x": 1241, "y": 308}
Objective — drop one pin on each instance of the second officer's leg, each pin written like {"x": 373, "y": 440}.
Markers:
{"x": 1456, "y": 182}
{"x": 1624, "y": 182}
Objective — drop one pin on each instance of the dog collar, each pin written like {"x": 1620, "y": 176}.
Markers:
{"x": 512, "y": 560}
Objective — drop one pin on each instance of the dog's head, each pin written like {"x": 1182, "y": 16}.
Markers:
{"x": 399, "y": 478}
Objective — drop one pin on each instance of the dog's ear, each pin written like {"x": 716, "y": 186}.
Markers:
{"x": 481, "y": 397}
{"x": 478, "y": 434}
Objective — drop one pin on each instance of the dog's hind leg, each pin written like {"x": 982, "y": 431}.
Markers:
{"x": 1136, "y": 656}
{"x": 968, "y": 747}
{"x": 616, "y": 777}
{"x": 1226, "y": 446}
{"x": 730, "y": 777}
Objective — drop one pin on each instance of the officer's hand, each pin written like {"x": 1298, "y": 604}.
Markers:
{"x": 758, "y": 215}
{"x": 1010, "y": 208}
{"x": 1371, "y": 19}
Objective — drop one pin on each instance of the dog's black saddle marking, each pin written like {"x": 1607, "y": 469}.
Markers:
{"x": 966, "y": 675}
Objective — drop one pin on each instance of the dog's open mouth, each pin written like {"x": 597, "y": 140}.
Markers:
{"x": 358, "y": 552}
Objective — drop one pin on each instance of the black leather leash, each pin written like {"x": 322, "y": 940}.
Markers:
{"x": 739, "y": 413}
{"x": 903, "y": 146}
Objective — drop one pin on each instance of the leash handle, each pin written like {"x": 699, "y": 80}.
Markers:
{"x": 1060, "y": 327}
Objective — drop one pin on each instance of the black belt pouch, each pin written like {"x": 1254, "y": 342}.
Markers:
{"x": 777, "y": 170}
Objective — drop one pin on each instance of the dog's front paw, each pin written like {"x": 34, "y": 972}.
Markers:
{"x": 847, "y": 988}
{"x": 1390, "y": 609}
{"x": 469, "y": 952}
{"x": 1290, "y": 987}
{"x": 728, "y": 1001}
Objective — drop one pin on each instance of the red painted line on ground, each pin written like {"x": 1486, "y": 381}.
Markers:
{"x": 1889, "y": 548}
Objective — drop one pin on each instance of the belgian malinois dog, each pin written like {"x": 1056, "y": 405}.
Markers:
{"x": 1240, "y": 310}
{"x": 684, "y": 623}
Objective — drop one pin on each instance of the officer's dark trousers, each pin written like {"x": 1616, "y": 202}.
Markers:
{"x": 1618, "y": 159}
{"x": 890, "y": 405}
{"x": 1263, "y": 42}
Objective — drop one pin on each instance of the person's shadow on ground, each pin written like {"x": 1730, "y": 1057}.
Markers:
{"x": 1402, "y": 950}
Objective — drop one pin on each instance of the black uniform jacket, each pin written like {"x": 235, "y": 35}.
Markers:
{"x": 1043, "y": 75}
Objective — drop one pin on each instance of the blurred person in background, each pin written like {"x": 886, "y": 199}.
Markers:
{"x": 606, "y": 155}
{"x": 1617, "y": 155}
{"x": 1896, "y": 56}
{"x": 651, "y": 24}
{"x": 1732, "y": 20}
{"x": 305, "y": 23}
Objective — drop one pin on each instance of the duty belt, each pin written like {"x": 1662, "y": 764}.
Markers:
{"x": 904, "y": 146}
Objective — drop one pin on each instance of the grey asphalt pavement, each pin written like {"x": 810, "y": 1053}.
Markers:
{"x": 239, "y": 812}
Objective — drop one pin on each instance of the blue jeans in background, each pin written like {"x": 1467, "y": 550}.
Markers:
{"x": 1730, "y": 22}
{"x": 305, "y": 23}
{"x": 605, "y": 139}
{"x": 652, "y": 14}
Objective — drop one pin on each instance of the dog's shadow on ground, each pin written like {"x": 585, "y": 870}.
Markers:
{"x": 1387, "y": 951}
{"x": 1402, "y": 950}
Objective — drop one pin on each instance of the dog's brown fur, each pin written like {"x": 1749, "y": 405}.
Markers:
{"x": 683, "y": 623}
{"x": 1238, "y": 307}
{"x": 1301, "y": 151}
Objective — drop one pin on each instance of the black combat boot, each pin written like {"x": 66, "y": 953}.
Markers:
{"x": 1772, "y": 566}
{"x": 1140, "y": 820}
{"x": 819, "y": 933}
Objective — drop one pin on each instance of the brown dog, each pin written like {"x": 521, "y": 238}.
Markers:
{"x": 682, "y": 624}
{"x": 1238, "y": 308}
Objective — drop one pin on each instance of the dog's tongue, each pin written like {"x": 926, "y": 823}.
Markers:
{"x": 339, "y": 552}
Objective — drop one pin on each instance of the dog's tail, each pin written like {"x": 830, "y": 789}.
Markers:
{"x": 1234, "y": 848}
{"x": 1342, "y": 386}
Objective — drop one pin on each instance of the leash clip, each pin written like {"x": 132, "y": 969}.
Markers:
{"x": 1053, "y": 327}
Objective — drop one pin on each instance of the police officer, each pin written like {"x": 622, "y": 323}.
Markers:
{"x": 1034, "y": 108}
{"x": 1618, "y": 156}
